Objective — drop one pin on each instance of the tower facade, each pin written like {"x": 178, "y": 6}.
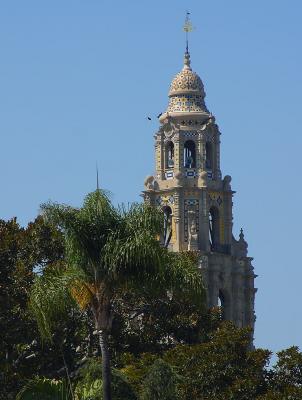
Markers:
{"x": 197, "y": 200}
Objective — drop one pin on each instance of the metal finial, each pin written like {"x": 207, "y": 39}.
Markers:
{"x": 188, "y": 27}
{"x": 187, "y": 61}
{"x": 241, "y": 234}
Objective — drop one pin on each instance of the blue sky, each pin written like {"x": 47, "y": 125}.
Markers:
{"x": 78, "y": 79}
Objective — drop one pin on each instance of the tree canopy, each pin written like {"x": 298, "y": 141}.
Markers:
{"x": 157, "y": 336}
{"x": 109, "y": 251}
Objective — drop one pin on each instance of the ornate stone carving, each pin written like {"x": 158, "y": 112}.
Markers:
{"x": 149, "y": 182}
{"x": 227, "y": 182}
{"x": 192, "y": 234}
{"x": 240, "y": 246}
{"x": 208, "y": 122}
{"x": 191, "y": 212}
{"x": 206, "y": 135}
{"x": 169, "y": 127}
{"x": 178, "y": 178}
{"x": 203, "y": 179}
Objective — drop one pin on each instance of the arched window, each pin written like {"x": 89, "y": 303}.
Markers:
{"x": 209, "y": 155}
{"x": 221, "y": 303}
{"x": 167, "y": 225}
{"x": 189, "y": 154}
{"x": 170, "y": 155}
{"x": 214, "y": 228}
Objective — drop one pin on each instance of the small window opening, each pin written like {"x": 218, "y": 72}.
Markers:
{"x": 189, "y": 154}
{"x": 167, "y": 225}
{"x": 209, "y": 156}
{"x": 214, "y": 228}
{"x": 170, "y": 155}
{"x": 221, "y": 303}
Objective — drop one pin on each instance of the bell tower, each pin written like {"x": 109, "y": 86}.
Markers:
{"x": 197, "y": 200}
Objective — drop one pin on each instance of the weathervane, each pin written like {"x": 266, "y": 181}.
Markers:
{"x": 188, "y": 27}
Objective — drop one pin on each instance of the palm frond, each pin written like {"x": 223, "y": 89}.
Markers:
{"x": 83, "y": 293}
{"x": 46, "y": 389}
{"x": 97, "y": 204}
{"x": 50, "y": 296}
{"x": 113, "y": 248}
{"x": 141, "y": 217}
{"x": 139, "y": 259}
{"x": 137, "y": 256}
{"x": 182, "y": 275}
{"x": 133, "y": 251}
{"x": 85, "y": 230}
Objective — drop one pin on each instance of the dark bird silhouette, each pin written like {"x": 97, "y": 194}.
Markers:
{"x": 159, "y": 115}
{"x": 149, "y": 118}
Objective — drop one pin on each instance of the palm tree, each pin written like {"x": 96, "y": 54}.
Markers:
{"x": 108, "y": 251}
{"x": 46, "y": 389}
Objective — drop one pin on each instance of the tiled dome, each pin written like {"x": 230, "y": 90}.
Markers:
{"x": 186, "y": 81}
{"x": 187, "y": 91}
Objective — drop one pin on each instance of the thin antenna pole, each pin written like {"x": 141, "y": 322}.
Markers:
{"x": 97, "y": 177}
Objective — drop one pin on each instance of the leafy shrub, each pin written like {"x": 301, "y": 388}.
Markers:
{"x": 160, "y": 383}
{"x": 46, "y": 389}
{"x": 89, "y": 386}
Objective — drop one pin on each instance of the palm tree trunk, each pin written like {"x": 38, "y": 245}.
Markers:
{"x": 106, "y": 373}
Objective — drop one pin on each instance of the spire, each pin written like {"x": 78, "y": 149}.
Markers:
{"x": 187, "y": 28}
{"x": 186, "y": 94}
{"x": 97, "y": 178}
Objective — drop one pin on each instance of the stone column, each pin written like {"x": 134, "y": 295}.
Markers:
{"x": 228, "y": 218}
{"x": 238, "y": 297}
{"x": 216, "y": 149}
{"x": 250, "y": 295}
{"x": 204, "y": 243}
{"x": 177, "y": 221}
{"x": 214, "y": 284}
{"x": 159, "y": 157}
{"x": 177, "y": 155}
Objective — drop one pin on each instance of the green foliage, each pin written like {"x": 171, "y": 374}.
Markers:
{"x": 137, "y": 368}
{"x": 23, "y": 252}
{"x": 121, "y": 389}
{"x": 288, "y": 369}
{"x": 159, "y": 328}
{"x": 89, "y": 382}
{"x": 118, "y": 248}
{"x": 89, "y": 385}
{"x": 50, "y": 298}
{"x": 288, "y": 394}
{"x": 46, "y": 389}
{"x": 145, "y": 323}
{"x": 222, "y": 367}
{"x": 286, "y": 376}
{"x": 160, "y": 383}
{"x": 108, "y": 252}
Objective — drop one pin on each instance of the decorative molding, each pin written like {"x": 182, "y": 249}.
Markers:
{"x": 190, "y": 205}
